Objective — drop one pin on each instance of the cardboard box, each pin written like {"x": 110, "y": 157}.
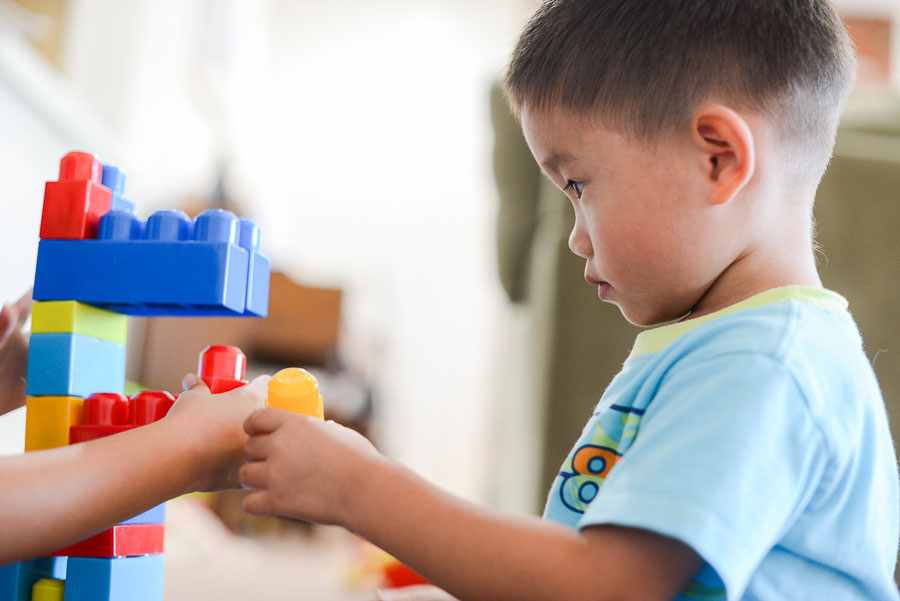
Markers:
{"x": 302, "y": 328}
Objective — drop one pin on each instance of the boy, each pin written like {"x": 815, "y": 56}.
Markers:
{"x": 50, "y": 499}
{"x": 743, "y": 451}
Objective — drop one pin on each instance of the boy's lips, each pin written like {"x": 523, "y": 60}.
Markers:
{"x": 603, "y": 288}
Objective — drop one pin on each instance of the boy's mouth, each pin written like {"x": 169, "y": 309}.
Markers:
{"x": 603, "y": 288}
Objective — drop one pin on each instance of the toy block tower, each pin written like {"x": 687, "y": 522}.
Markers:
{"x": 98, "y": 262}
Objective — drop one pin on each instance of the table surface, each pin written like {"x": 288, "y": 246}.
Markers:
{"x": 205, "y": 561}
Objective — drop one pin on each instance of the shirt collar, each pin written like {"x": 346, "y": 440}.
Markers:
{"x": 656, "y": 339}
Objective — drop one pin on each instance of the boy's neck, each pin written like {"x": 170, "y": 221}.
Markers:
{"x": 783, "y": 256}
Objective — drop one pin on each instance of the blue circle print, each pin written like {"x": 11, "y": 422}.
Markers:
{"x": 588, "y": 491}
{"x": 596, "y": 465}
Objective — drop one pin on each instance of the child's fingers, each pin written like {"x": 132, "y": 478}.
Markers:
{"x": 14, "y": 315}
{"x": 253, "y": 475}
{"x": 424, "y": 592}
{"x": 257, "y": 503}
{"x": 7, "y": 322}
{"x": 258, "y": 387}
{"x": 263, "y": 421}
{"x": 257, "y": 447}
{"x": 259, "y": 382}
{"x": 193, "y": 382}
{"x": 23, "y": 306}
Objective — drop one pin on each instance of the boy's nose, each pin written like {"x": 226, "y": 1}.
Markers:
{"x": 580, "y": 242}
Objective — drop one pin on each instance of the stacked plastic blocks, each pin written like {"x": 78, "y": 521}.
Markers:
{"x": 168, "y": 265}
{"x": 97, "y": 263}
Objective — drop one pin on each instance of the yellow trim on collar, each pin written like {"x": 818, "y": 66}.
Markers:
{"x": 651, "y": 341}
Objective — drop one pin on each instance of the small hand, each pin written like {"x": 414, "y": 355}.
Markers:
{"x": 214, "y": 422}
{"x": 303, "y": 467}
{"x": 13, "y": 353}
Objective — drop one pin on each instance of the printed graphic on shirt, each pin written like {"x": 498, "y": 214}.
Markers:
{"x": 700, "y": 592}
{"x": 608, "y": 435}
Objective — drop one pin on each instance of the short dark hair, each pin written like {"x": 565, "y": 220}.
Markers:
{"x": 644, "y": 66}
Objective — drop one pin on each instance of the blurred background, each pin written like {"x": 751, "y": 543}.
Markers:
{"x": 421, "y": 267}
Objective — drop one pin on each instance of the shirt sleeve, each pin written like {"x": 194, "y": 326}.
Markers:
{"x": 726, "y": 458}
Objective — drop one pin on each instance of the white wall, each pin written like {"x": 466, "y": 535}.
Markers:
{"x": 868, "y": 8}
{"x": 40, "y": 120}
{"x": 358, "y": 136}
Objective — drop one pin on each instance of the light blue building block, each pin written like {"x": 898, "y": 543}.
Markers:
{"x": 115, "y": 578}
{"x": 157, "y": 515}
{"x": 74, "y": 365}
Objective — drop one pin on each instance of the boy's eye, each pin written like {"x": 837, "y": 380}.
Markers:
{"x": 575, "y": 186}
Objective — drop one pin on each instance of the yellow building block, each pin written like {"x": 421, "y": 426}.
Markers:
{"x": 48, "y": 589}
{"x": 295, "y": 389}
{"x": 47, "y": 420}
{"x": 51, "y": 317}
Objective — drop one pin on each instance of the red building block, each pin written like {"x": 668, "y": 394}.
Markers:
{"x": 398, "y": 575}
{"x": 85, "y": 433}
{"x": 107, "y": 409}
{"x": 74, "y": 204}
{"x": 222, "y": 368}
{"x": 149, "y": 406}
{"x": 124, "y": 540}
{"x": 104, "y": 413}
{"x": 107, "y": 413}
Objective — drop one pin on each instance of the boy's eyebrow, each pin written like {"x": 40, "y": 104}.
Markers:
{"x": 555, "y": 160}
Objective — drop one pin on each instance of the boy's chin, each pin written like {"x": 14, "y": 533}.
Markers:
{"x": 647, "y": 317}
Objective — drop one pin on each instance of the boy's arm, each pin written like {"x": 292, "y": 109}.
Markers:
{"x": 52, "y": 498}
{"x": 322, "y": 472}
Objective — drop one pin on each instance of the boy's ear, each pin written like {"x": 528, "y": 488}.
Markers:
{"x": 728, "y": 148}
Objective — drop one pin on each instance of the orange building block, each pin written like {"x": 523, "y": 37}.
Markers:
{"x": 48, "y": 420}
{"x": 295, "y": 389}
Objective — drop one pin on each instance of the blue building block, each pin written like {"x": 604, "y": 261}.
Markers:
{"x": 156, "y": 515}
{"x": 257, "y": 303}
{"x": 175, "y": 267}
{"x": 120, "y": 203}
{"x": 114, "y": 179}
{"x": 115, "y": 578}
{"x": 68, "y": 364}
{"x": 145, "y": 278}
{"x": 16, "y": 579}
{"x": 259, "y": 272}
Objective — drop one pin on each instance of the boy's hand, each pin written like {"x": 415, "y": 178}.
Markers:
{"x": 13, "y": 353}
{"x": 303, "y": 467}
{"x": 214, "y": 423}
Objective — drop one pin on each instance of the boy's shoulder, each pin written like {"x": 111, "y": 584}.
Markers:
{"x": 804, "y": 338}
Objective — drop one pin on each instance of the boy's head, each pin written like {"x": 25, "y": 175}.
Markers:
{"x": 690, "y": 99}
{"x": 644, "y": 67}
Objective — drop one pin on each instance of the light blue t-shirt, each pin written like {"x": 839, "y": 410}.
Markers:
{"x": 757, "y": 436}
